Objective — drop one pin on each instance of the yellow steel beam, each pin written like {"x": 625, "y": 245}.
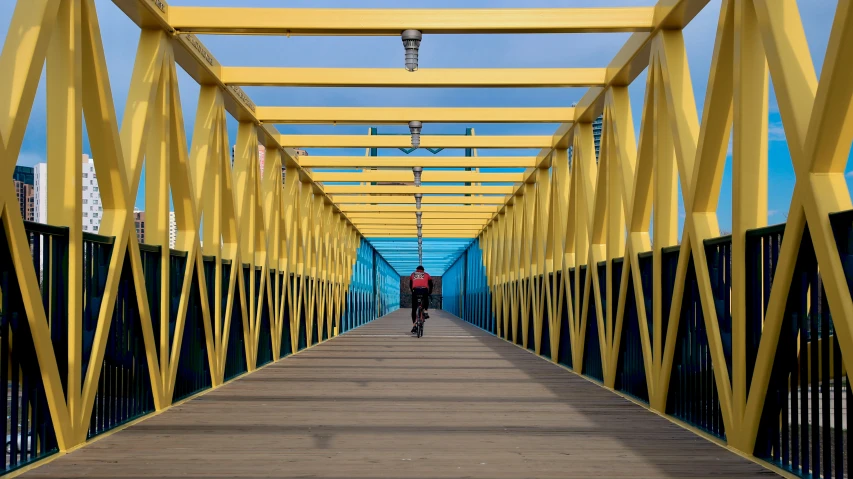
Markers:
{"x": 410, "y": 200}
{"x": 389, "y": 115}
{"x": 411, "y": 222}
{"x": 390, "y": 22}
{"x": 403, "y": 176}
{"x": 631, "y": 60}
{"x": 425, "y": 227}
{"x": 351, "y": 209}
{"x": 433, "y": 234}
{"x": 427, "y": 216}
{"x": 205, "y": 69}
{"x": 411, "y": 161}
{"x": 423, "y": 78}
{"x": 405, "y": 141}
{"x": 411, "y": 190}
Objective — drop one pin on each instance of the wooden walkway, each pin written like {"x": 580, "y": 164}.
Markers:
{"x": 379, "y": 403}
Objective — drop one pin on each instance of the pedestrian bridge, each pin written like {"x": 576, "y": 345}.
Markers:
{"x": 593, "y": 319}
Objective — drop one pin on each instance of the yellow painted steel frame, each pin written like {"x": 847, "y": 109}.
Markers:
{"x": 560, "y": 215}
{"x": 240, "y": 216}
{"x": 569, "y": 214}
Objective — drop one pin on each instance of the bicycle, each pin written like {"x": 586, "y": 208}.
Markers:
{"x": 419, "y": 318}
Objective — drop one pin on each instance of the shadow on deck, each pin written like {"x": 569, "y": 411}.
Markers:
{"x": 378, "y": 403}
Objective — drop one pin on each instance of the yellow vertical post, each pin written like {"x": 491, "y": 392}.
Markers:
{"x": 665, "y": 221}
{"x": 64, "y": 173}
{"x": 157, "y": 206}
{"x": 749, "y": 177}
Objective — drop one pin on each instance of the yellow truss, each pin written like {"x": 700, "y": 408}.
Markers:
{"x": 554, "y": 217}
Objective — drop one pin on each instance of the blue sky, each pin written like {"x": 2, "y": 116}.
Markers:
{"x": 449, "y": 51}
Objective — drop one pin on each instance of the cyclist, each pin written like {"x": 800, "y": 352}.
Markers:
{"x": 420, "y": 283}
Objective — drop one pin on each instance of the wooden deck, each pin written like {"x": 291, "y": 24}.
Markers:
{"x": 378, "y": 403}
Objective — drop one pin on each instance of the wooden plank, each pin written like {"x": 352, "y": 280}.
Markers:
{"x": 377, "y": 402}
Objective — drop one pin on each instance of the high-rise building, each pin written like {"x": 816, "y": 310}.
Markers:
{"x": 173, "y": 230}
{"x": 93, "y": 209}
{"x": 596, "y": 136}
{"x": 139, "y": 222}
{"x": 262, "y": 153}
{"x": 24, "y": 178}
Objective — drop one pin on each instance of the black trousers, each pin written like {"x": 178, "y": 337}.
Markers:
{"x": 422, "y": 293}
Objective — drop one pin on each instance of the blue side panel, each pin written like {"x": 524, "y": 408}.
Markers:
{"x": 374, "y": 290}
{"x": 465, "y": 289}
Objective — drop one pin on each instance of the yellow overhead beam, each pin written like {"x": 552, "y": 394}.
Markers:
{"x": 428, "y": 176}
{"x": 405, "y": 234}
{"x": 428, "y": 223}
{"x": 631, "y": 60}
{"x": 389, "y": 115}
{"x": 350, "y": 209}
{"x": 411, "y": 190}
{"x": 427, "y": 216}
{"x": 411, "y": 161}
{"x": 410, "y": 200}
{"x": 426, "y": 227}
{"x": 391, "y": 22}
{"x": 423, "y": 78}
{"x": 405, "y": 141}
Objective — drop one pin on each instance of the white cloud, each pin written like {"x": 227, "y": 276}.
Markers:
{"x": 776, "y": 132}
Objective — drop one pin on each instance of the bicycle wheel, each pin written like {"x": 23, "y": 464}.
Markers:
{"x": 421, "y": 329}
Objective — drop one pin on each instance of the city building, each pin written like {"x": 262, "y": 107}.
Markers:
{"x": 24, "y": 178}
{"x": 139, "y": 222}
{"x": 173, "y": 230}
{"x": 596, "y": 136}
{"x": 40, "y": 192}
{"x": 262, "y": 153}
{"x": 93, "y": 209}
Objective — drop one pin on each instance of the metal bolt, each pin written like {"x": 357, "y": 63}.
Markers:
{"x": 412, "y": 42}
{"x": 415, "y": 127}
{"x": 418, "y": 198}
{"x": 418, "y": 171}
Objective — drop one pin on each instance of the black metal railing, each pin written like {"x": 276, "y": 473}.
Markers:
{"x": 193, "y": 373}
{"x": 124, "y": 390}
{"x": 28, "y": 429}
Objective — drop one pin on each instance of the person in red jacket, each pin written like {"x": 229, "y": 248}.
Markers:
{"x": 420, "y": 283}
